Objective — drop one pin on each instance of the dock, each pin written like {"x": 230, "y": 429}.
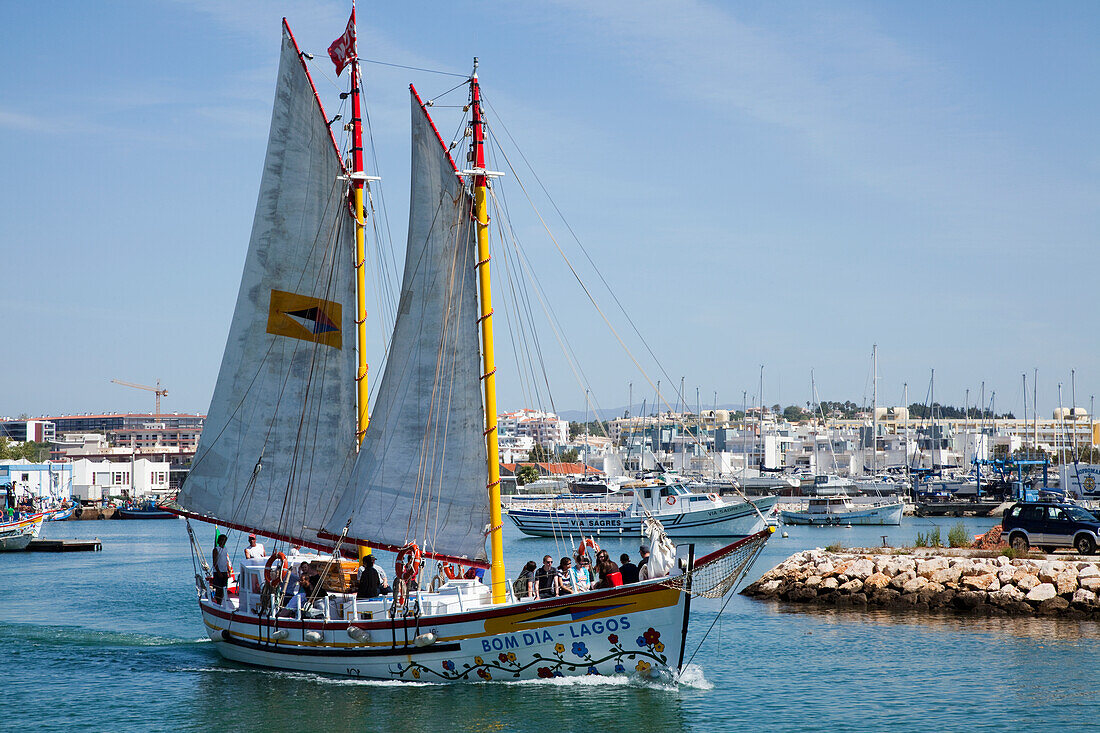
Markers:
{"x": 65, "y": 546}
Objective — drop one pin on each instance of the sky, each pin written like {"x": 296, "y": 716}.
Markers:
{"x": 776, "y": 184}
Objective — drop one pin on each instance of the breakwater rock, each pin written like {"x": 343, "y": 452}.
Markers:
{"x": 948, "y": 580}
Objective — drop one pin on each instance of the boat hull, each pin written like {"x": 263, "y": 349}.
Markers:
{"x": 726, "y": 520}
{"x": 124, "y": 513}
{"x": 637, "y": 629}
{"x": 59, "y": 515}
{"x": 879, "y": 515}
{"x": 17, "y": 535}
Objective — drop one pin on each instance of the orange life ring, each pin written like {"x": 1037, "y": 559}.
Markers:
{"x": 712, "y": 497}
{"x": 670, "y": 500}
{"x": 581, "y": 552}
{"x": 449, "y": 571}
{"x": 408, "y": 571}
{"x": 283, "y": 570}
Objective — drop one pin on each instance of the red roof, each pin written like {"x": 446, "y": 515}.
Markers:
{"x": 552, "y": 469}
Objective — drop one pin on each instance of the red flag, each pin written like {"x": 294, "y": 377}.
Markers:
{"x": 342, "y": 50}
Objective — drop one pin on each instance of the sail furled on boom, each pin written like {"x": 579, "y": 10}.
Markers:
{"x": 279, "y": 440}
{"x": 421, "y": 474}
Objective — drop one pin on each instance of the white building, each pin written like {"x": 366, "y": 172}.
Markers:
{"x": 39, "y": 480}
{"x": 515, "y": 448}
{"x": 97, "y": 480}
{"x": 545, "y": 428}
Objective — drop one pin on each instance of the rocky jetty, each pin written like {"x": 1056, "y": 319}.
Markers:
{"x": 948, "y": 580}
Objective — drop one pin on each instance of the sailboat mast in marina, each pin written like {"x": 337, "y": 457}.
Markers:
{"x": 288, "y": 452}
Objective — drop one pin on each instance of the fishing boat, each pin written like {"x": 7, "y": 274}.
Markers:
{"x": 60, "y": 514}
{"x": 681, "y": 512}
{"x": 16, "y": 534}
{"x": 841, "y": 510}
{"x": 147, "y": 509}
{"x": 288, "y": 452}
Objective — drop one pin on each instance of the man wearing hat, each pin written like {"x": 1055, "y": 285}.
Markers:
{"x": 643, "y": 551}
{"x": 254, "y": 549}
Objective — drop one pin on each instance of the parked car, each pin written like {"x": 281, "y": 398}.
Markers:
{"x": 1051, "y": 525}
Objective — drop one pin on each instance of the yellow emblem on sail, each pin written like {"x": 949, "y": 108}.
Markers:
{"x": 305, "y": 318}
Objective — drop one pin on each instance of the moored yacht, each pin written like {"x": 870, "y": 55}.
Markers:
{"x": 683, "y": 513}
{"x": 838, "y": 510}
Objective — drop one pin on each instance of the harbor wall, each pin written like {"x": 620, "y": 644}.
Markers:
{"x": 965, "y": 581}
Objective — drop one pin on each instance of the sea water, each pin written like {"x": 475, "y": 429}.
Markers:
{"x": 112, "y": 641}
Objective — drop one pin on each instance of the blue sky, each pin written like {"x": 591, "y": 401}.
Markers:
{"x": 761, "y": 183}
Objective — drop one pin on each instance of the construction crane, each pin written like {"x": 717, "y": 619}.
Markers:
{"x": 158, "y": 390}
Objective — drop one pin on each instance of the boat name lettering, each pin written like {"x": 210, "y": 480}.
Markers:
{"x": 576, "y": 631}
{"x": 582, "y": 523}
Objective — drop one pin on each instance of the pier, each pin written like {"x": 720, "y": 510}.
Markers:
{"x": 954, "y": 580}
{"x": 93, "y": 545}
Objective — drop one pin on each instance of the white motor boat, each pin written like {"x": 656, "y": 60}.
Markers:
{"x": 682, "y": 513}
{"x": 840, "y": 510}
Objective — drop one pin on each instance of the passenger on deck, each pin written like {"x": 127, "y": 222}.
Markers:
{"x": 628, "y": 569}
{"x": 254, "y": 548}
{"x": 306, "y": 583}
{"x": 220, "y": 557}
{"x": 524, "y": 584}
{"x": 580, "y": 575}
{"x": 548, "y": 579}
{"x": 565, "y": 566}
{"x": 643, "y": 552}
{"x": 605, "y": 566}
{"x": 370, "y": 585}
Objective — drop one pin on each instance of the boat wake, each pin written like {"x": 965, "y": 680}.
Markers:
{"x": 692, "y": 676}
{"x": 70, "y": 636}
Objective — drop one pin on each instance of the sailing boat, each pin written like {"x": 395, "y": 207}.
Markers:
{"x": 287, "y": 452}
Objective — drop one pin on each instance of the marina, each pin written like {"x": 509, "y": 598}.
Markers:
{"x": 507, "y": 369}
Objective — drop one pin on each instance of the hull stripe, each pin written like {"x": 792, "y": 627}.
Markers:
{"x": 329, "y": 651}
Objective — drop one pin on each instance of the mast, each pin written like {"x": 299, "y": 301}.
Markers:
{"x": 1035, "y": 406}
{"x": 760, "y": 420}
{"x": 932, "y": 407}
{"x": 1073, "y": 411}
{"x": 492, "y": 448}
{"x": 874, "y": 408}
{"x": 359, "y": 177}
{"x": 905, "y": 401}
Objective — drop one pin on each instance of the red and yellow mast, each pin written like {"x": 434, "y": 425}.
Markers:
{"x": 359, "y": 179}
{"x": 498, "y": 580}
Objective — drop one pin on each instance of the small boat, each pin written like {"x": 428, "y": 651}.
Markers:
{"x": 840, "y": 510}
{"x": 60, "y": 513}
{"x": 147, "y": 509}
{"x": 682, "y": 513}
{"x": 17, "y": 534}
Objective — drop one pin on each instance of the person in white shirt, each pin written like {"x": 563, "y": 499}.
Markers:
{"x": 254, "y": 549}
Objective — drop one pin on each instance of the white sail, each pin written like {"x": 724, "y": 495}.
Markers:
{"x": 421, "y": 471}
{"x": 279, "y": 439}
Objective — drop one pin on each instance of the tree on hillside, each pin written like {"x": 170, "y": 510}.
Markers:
{"x": 794, "y": 413}
{"x": 569, "y": 456}
{"x": 29, "y": 451}
{"x": 538, "y": 454}
{"x": 595, "y": 427}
